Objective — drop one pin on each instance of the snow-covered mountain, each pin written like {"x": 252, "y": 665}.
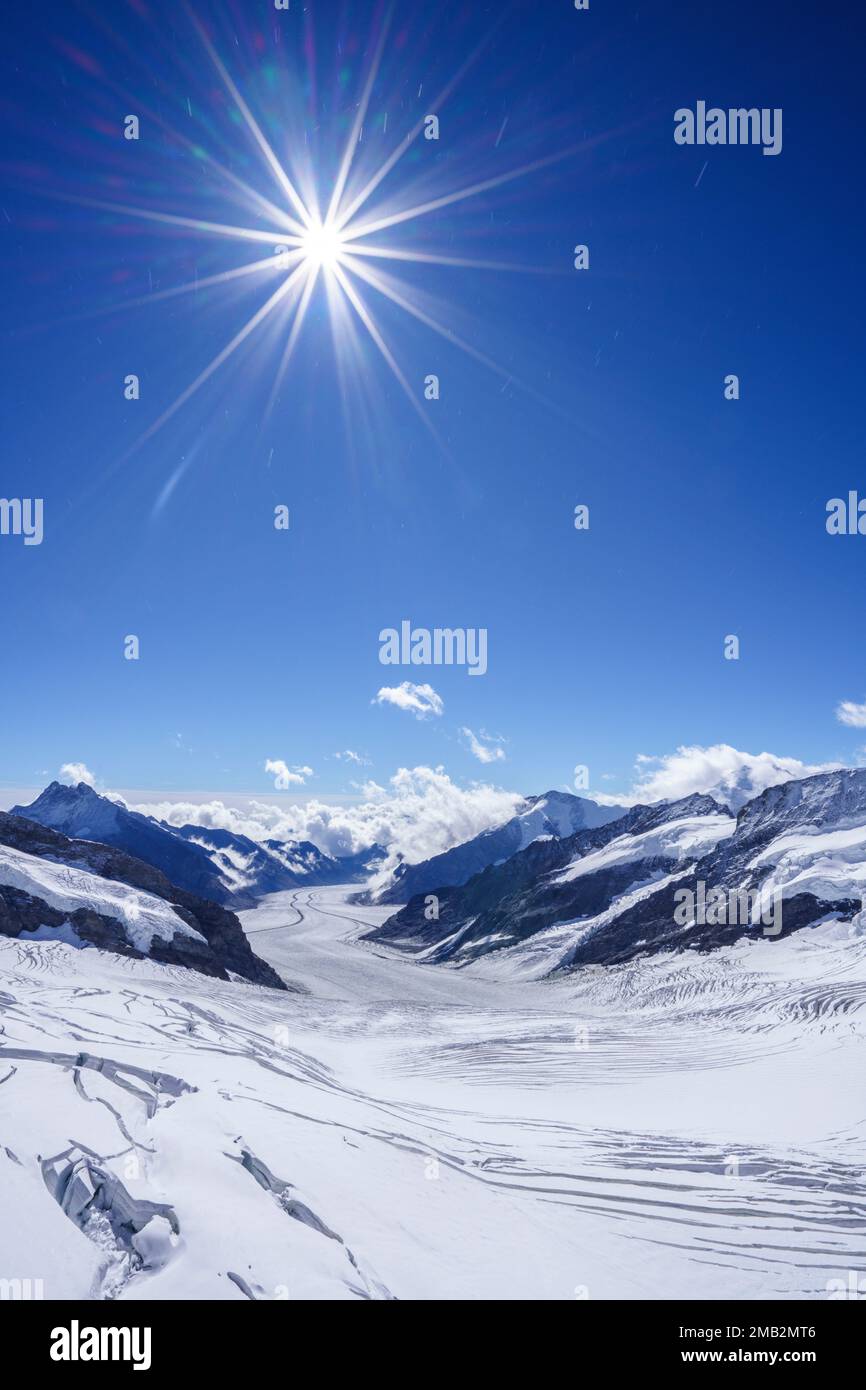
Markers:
{"x": 310, "y": 865}
{"x": 82, "y": 814}
{"x": 221, "y": 865}
{"x": 86, "y": 894}
{"x": 670, "y": 876}
{"x": 555, "y": 879}
{"x": 250, "y": 869}
{"x": 554, "y": 815}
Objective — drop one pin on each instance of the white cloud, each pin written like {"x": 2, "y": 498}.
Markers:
{"x": 348, "y": 756}
{"x": 77, "y": 772}
{"x": 370, "y": 790}
{"x": 420, "y": 700}
{"x": 284, "y": 776}
{"x": 420, "y": 813}
{"x": 721, "y": 771}
{"x": 484, "y": 747}
{"x": 849, "y": 713}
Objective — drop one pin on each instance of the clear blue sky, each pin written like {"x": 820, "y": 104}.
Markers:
{"x": 707, "y": 517}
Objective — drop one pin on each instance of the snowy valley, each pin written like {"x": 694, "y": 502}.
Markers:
{"x": 680, "y": 1123}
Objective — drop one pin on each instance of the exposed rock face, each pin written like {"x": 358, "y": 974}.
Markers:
{"x": 223, "y": 949}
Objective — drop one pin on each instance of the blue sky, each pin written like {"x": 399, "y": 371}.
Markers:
{"x": 707, "y": 516}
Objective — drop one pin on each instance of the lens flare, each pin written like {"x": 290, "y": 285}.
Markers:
{"x": 322, "y": 246}
{"x": 340, "y": 244}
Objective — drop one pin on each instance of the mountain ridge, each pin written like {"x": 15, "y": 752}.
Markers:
{"x": 553, "y": 813}
{"x": 221, "y": 865}
{"x": 80, "y": 876}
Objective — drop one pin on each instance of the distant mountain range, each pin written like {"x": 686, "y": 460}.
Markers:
{"x": 220, "y": 865}
{"x": 553, "y": 815}
{"x": 613, "y": 892}
{"x": 563, "y": 883}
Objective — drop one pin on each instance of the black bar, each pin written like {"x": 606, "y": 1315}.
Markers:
{"x": 241, "y": 1339}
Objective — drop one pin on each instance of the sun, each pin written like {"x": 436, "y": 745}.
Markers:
{"x": 322, "y": 245}
{"x": 309, "y": 242}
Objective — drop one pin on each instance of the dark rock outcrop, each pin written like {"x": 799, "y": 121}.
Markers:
{"x": 225, "y": 948}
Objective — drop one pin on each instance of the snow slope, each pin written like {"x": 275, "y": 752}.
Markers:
{"x": 689, "y": 838}
{"x": 67, "y": 889}
{"x": 831, "y": 865}
{"x": 678, "y": 1126}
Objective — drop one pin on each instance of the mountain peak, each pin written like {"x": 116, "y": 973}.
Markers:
{"x": 74, "y": 810}
{"x": 67, "y": 790}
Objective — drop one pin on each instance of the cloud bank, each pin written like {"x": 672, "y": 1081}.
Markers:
{"x": 721, "y": 771}
{"x": 421, "y": 812}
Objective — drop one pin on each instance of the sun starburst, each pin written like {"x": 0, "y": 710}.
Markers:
{"x": 346, "y": 250}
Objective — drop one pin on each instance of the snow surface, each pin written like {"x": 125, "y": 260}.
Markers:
{"x": 689, "y": 838}
{"x": 831, "y": 865}
{"x": 564, "y": 815}
{"x": 66, "y": 888}
{"x": 681, "y": 1126}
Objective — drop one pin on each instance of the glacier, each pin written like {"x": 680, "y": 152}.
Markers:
{"x": 677, "y": 1125}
